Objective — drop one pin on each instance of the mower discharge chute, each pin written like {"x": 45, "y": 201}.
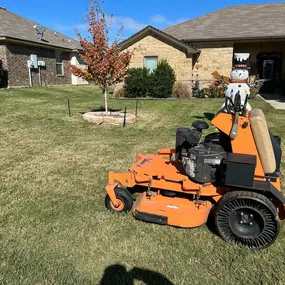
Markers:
{"x": 234, "y": 172}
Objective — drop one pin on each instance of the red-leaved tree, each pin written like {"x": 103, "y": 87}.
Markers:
{"x": 106, "y": 65}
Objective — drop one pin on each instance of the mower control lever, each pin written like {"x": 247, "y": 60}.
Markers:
{"x": 244, "y": 106}
{"x": 229, "y": 105}
{"x": 237, "y": 102}
{"x": 237, "y": 108}
{"x": 233, "y": 107}
{"x": 233, "y": 133}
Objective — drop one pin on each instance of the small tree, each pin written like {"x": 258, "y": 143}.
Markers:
{"x": 106, "y": 64}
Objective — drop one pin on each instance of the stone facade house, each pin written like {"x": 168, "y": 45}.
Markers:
{"x": 48, "y": 53}
{"x": 258, "y": 29}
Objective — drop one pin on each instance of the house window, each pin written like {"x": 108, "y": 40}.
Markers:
{"x": 59, "y": 63}
{"x": 80, "y": 61}
{"x": 150, "y": 62}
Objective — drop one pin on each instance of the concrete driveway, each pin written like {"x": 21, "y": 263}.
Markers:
{"x": 275, "y": 100}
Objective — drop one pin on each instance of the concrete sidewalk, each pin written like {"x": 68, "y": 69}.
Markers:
{"x": 275, "y": 100}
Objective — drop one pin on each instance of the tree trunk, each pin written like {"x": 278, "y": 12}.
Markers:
{"x": 106, "y": 100}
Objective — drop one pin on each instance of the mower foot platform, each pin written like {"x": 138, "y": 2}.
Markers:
{"x": 174, "y": 211}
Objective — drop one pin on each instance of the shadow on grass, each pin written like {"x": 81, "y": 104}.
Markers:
{"x": 118, "y": 275}
{"x": 102, "y": 109}
{"x": 208, "y": 116}
{"x": 211, "y": 222}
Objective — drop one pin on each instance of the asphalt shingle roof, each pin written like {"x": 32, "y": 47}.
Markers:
{"x": 234, "y": 22}
{"x": 14, "y": 26}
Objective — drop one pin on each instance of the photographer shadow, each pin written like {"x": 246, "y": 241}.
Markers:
{"x": 118, "y": 275}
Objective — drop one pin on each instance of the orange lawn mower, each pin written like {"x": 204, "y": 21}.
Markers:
{"x": 234, "y": 173}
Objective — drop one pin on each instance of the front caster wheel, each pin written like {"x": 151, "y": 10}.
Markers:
{"x": 247, "y": 219}
{"x": 125, "y": 201}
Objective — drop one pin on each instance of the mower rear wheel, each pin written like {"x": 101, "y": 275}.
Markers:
{"x": 247, "y": 219}
{"x": 125, "y": 201}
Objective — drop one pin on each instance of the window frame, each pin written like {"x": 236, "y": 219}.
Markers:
{"x": 150, "y": 56}
{"x": 58, "y": 55}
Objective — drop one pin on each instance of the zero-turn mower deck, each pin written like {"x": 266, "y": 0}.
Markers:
{"x": 174, "y": 211}
{"x": 237, "y": 171}
{"x": 169, "y": 199}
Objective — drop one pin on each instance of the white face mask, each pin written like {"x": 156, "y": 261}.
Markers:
{"x": 239, "y": 74}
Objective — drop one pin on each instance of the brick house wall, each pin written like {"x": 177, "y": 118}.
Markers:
{"x": 213, "y": 57}
{"x": 150, "y": 46}
{"x": 17, "y": 56}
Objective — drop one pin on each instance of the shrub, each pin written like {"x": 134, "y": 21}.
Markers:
{"x": 110, "y": 89}
{"x": 162, "y": 80}
{"x": 3, "y": 76}
{"x": 253, "y": 92}
{"x": 181, "y": 90}
{"x": 217, "y": 92}
{"x": 137, "y": 83}
{"x": 158, "y": 84}
{"x": 212, "y": 92}
{"x": 205, "y": 93}
{"x": 119, "y": 93}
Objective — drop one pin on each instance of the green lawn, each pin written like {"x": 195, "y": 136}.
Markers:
{"x": 54, "y": 228}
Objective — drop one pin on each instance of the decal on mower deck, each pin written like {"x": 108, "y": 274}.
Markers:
{"x": 144, "y": 161}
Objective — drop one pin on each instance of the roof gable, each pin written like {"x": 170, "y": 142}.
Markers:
{"x": 254, "y": 21}
{"x": 151, "y": 31}
{"x": 15, "y": 27}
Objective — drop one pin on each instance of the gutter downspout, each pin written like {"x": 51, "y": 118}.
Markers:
{"x": 40, "y": 78}
{"x": 30, "y": 76}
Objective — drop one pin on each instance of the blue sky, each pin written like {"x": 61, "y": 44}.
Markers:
{"x": 65, "y": 15}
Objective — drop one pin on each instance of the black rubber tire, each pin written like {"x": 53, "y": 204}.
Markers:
{"x": 126, "y": 198}
{"x": 247, "y": 219}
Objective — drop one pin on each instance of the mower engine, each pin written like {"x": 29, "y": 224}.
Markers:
{"x": 201, "y": 161}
